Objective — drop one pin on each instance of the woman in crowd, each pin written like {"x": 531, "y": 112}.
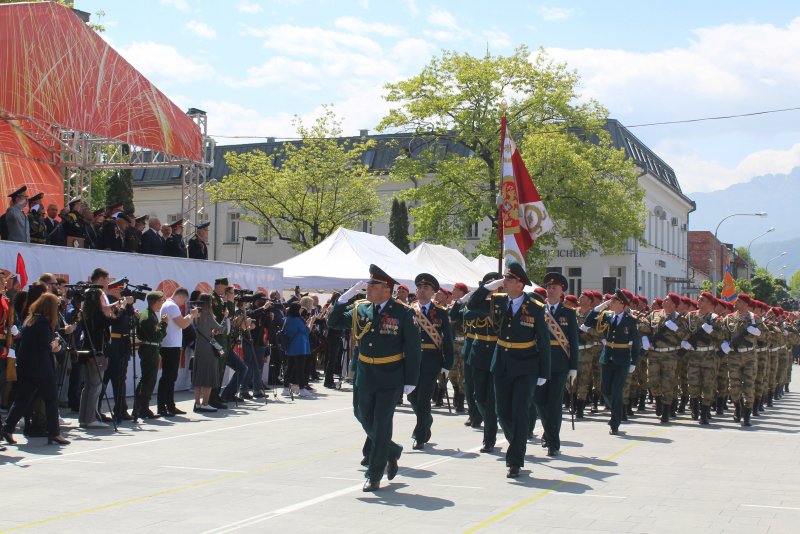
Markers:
{"x": 206, "y": 359}
{"x": 36, "y": 368}
{"x": 297, "y": 352}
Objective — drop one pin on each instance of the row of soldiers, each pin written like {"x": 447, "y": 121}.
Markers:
{"x": 108, "y": 228}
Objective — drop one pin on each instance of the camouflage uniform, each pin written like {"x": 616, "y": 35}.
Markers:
{"x": 662, "y": 357}
{"x": 589, "y": 353}
{"x": 701, "y": 359}
{"x": 742, "y": 361}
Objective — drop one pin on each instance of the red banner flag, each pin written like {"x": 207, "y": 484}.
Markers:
{"x": 21, "y": 272}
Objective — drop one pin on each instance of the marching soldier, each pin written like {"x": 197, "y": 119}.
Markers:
{"x": 198, "y": 244}
{"x": 174, "y": 245}
{"x": 388, "y": 364}
{"x": 705, "y": 332}
{"x": 36, "y": 221}
{"x": 521, "y": 359}
{"x": 589, "y": 348}
{"x": 437, "y": 354}
{"x": 741, "y": 334}
{"x": 621, "y": 344}
{"x": 456, "y": 375}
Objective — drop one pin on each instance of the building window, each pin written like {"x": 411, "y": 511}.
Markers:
{"x": 472, "y": 231}
{"x": 232, "y": 231}
{"x": 265, "y": 233}
{"x": 172, "y": 217}
{"x": 366, "y": 227}
{"x": 619, "y": 274}
{"x": 574, "y": 279}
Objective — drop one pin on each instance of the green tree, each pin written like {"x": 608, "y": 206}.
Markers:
{"x": 764, "y": 287}
{"x": 398, "y": 225}
{"x": 306, "y": 190}
{"x": 794, "y": 285}
{"x": 589, "y": 188}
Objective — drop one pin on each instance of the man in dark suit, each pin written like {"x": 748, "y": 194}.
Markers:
{"x": 521, "y": 360}
{"x": 563, "y": 361}
{"x": 198, "y": 244}
{"x": 152, "y": 242}
{"x": 621, "y": 345}
{"x": 50, "y": 221}
{"x": 174, "y": 245}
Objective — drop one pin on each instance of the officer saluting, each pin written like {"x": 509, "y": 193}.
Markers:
{"x": 198, "y": 244}
{"x": 388, "y": 364}
{"x": 437, "y": 354}
{"x": 521, "y": 358}
{"x": 621, "y": 345}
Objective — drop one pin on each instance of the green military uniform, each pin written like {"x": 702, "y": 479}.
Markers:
{"x": 197, "y": 248}
{"x": 38, "y": 230}
{"x": 588, "y": 351}
{"x": 151, "y": 331}
{"x": 621, "y": 345}
{"x": 389, "y": 358}
{"x": 740, "y": 345}
{"x": 456, "y": 376}
{"x": 701, "y": 360}
{"x": 521, "y": 358}
{"x": 174, "y": 246}
{"x": 664, "y": 333}
{"x": 474, "y": 418}
{"x": 436, "y": 354}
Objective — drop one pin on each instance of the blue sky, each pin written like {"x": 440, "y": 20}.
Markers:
{"x": 253, "y": 65}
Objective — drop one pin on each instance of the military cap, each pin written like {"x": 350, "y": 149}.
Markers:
{"x": 259, "y": 295}
{"x": 113, "y": 209}
{"x": 221, "y": 282}
{"x": 378, "y": 276}
{"x": 693, "y": 303}
{"x": 123, "y": 216}
{"x": 541, "y": 291}
{"x": 403, "y": 286}
{"x": 154, "y": 296}
{"x": 36, "y": 198}
{"x": 709, "y": 297}
{"x": 142, "y": 219}
{"x": 658, "y": 301}
{"x": 491, "y": 277}
{"x": 686, "y": 300}
{"x": 21, "y": 191}
{"x": 179, "y": 222}
{"x": 98, "y": 212}
{"x": 515, "y": 270}
{"x": 74, "y": 201}
{"x": 555, "y": 278}
{"x": 607, "y": 296}
{"x": 203, "y": 225}
{"x": 571, "y": 299}
{"x": 118, "y": 284}
{"x": 461, "y": 286}
{"x": 675, "y": 298}
{"x": 427, "y": 279}
{"x": 623, "y": 295}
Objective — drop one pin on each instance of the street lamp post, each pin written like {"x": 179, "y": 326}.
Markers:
{"x": 749, "y": 256}
{"x": 716, "y": 246}
{"x": 242, "y": 239}
{"x": 775, "y": 258}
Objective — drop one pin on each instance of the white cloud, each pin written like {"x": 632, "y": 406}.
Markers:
{"x": 164, "y": 62}
{"x": 307, "y": 41}
{"x": 281, "y": 70}
{"x": 412, "y": 7}
{"x": 498, "y": 40}
{"x": 180, "y": 5}
{"x": 201, "y": 29}
{"x": 556, "y": 13}
{"x": 359, "y": 26}
{"x": 440, "y": 17}
{"x": 248, "y": 7}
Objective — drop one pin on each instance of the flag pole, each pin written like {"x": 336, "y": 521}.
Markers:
{"x": 499, "y": 188}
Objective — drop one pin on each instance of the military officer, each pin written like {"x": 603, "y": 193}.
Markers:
{"x": 111, "y": 236}
{"x": 73, "y": 224}
{"x": 174, "y": 245}
{"x": 388, "y": 364}
{"x": 35, "y": 220}
{"x": 563, "y": 361}
{"x": 621, "y": 345}
{"x": 521, "y": 360}
{"x": 589, "y": 349}
{"x": 198, "y": 244}
{"x": 704, "y": 335}
{"x": 436, "y": 339}
{"x": 456, "y": 375}
{"x": 474, "y": 418}
{"x": 742, "y": 333}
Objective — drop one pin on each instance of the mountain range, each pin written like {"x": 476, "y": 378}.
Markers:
{"x": 776, "y": 194}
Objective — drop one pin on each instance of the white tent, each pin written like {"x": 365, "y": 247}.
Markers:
{"x": 343, "y": 259}
{"x": 444, "y": 262}
{"x": 484, "y": 263}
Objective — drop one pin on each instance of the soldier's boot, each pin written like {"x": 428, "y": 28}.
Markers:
{"x": 630, "y": 408}
{"x": 458, "y": 401}
{"x": 737, "y": 413}
{"x": 718, "y": 410}
{"x": 754, "y": 411}
{"x": 746, "y": 415}
{"x": 786, "y": 388}
{"x": 664, "y": 412}
{"x": 704, "y": 413}
{"x": 695, "y": 408}
{"x": 659, "y": 404}
{"x": 682, "y": 406}
{"x": 594, "y": 403}
{"x": 673, "y": 409}
{"x": 651, "y": 400}
{"x": 769, "y": 400}
{"x": 625, "y": 408}
{"x": 640, "y": 407}
{"x": 581, "y": 404}
{"x": 438, "y": 397}
{"x": 761, "y": 407}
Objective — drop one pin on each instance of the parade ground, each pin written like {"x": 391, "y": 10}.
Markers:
{"x": 293, "y": 466}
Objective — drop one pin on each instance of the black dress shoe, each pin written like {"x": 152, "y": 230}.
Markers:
{"x": 468, "y": 422}
{"x": 365, "y": 461}
{"x": 104, "y": 418}
{"x": 487, "y": 448}
{"x": 552, "y": 452}
{"x": 57, "y": 440}
{"x": 150, "y": 415}
{"x": 475, "y": 424}
{"x": 513, "y": 472}
{"x": 418, "y": 445}
{"x": 392, "y": 468}
{"x": 613, "y": 431}
{"x": 166, "y": 413}
{"x": 219, "y": 405}
{"x": 8, "y": 437}
{"x": 125, "y": 416}
{"x": 177, "y": 411}
{"x": 370, "y": 485}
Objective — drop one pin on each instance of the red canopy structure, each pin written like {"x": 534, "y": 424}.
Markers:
{"x": 70, "y": 101}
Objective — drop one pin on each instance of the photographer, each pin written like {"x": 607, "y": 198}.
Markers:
{"x": 171, "y": 350}
{"x": 119, "y": 350}
{"x": 249, "y": 321}
{"x": 36, "y": 368}
{"x": 261, "y": 318}
{"x": 237, "y": 326}
{"x": 298, "y": 351}
{"x": 334, "y": 345}
{"x": 276, "y": 315}
{"x": 206, "y": 358}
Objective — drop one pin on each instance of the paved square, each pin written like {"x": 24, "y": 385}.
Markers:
{"x": 294, "y": 466}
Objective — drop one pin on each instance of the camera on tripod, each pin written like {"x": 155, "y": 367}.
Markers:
{"x": 77, "y": 291}
{"x": 244, "y": 295}
{"x": 138, "y": 292}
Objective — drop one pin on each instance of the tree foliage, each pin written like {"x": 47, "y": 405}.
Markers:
{"x": 589, "y": 188}
{"x": 398, "y": 225}
{"x": 794, "y": 285}
{"x": 305, "y": 190}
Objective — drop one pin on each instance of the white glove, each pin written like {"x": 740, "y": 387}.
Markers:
{"x": 646, "y": 343}
{"x": 602, "y": 306}
{"x": 572, "y": 375}
{"x": 446, "y": 372}
{"x": 753, "y": 330}
{"x": 583, "y": 328}
{"x": 12, "y": 353}
{"x": 408, "y": 389}
{"x": 540, "y": 381}
{"x": 726, "y": 347}
{"x": 491, "y": 286}
{"x": 353, "y": 291}
{"x": 465, "y": 298}
{"x": 686, "y": 345}
{"x": 707, "y": 328}
{"x": 631, "y": 368}
{"x": 672, "y": 326}
{"x": 14, "y": 330}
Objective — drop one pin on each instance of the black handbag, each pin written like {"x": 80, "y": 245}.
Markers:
{"x": 220, "y": 350}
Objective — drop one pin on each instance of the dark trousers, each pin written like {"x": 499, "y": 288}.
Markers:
{"x": 470, "y": 393}
{"x": 295, "y": 369}
{"x": 367, "y": 447}
{"x": 117, "y": 373}
{"x": 612, "y": 382}
{"x": 549, "y": 399}
{"x": 485, "y": 404}
{"x": 75, "y": 385}
{"x": 513, "y": 396}
{"x": 376, "y": 410}
{"x": 148, "y": 359}
{"x": 254, "y": 359}
{"x": 26, "y": 392}
{"x": 170, "y": 360}
{"x": 239, "y": 373}
{"x": 420, "y": 400}
{"x": 333, "y": 359}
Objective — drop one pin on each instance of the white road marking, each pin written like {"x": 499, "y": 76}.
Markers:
{"x": 79, "y": 461}
{"x": 202, "y": 469}
{"x": 564, "y": 494}
{"x": 452, "y": 486}
{"x": 770, "y": 507}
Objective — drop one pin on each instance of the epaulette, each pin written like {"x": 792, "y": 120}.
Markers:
{"x": 400, "y": 302}
{"x": 536, "y": 301}
{"x": 439, "y": 306}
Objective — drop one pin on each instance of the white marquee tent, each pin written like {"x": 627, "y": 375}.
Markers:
{"x": 343, "y": 259}
{"x": 444, "y": 262}
{"x": 484, "y": 263}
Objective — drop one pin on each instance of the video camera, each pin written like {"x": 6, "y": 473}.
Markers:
{"x": 76, "y": 292}
{"x": 138, "y": 292}
{"x": 244, "y": 295}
